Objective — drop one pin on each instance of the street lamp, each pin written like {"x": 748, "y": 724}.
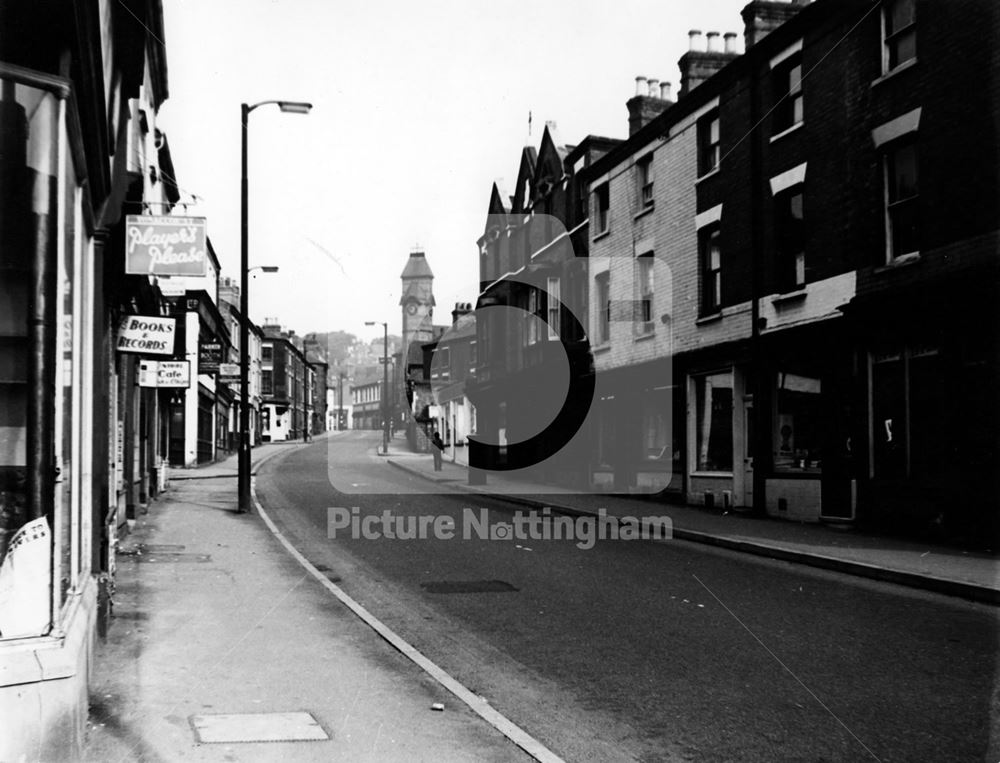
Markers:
{"x": 243, "y": 458}
{"x": 385, "y": 383}
{"x": 340, "y": 400}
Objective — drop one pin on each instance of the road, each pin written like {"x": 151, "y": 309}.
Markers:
{"x": 640, "y": 650}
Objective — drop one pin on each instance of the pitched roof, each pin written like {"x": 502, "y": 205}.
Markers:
{"x": 417, "y": 267}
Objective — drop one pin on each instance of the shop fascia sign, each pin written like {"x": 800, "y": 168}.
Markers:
{"x": 162, "y": 245}
{"x": 146, "y": 335}
{"x": 165, "y": 374}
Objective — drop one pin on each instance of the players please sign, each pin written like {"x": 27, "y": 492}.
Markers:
{"x": 165, "y": 246}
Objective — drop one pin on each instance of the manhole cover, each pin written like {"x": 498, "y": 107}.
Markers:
{"x": 150, "y": 557}
{"x": 160, "y": 548}
{"x": 468, "y": 586}
{"x": 257, "y": 727}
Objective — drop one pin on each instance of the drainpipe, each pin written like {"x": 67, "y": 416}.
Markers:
{"x": 757, "y": 446}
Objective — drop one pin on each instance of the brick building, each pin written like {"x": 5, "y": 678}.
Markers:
{"x": 534, "y": 370}
{"x": 287, "y": 381}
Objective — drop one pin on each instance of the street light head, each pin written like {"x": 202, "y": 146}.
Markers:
{"x": 370, "y": 323}
{"x": 295, "y": 107}
{"x": 269, "y": 268}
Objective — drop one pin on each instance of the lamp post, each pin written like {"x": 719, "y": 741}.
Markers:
{"x": 340, "y": 401}
{"x": 385, "y": 383}
{"x": 243, "y": 459}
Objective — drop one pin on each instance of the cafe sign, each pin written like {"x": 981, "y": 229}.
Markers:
{"x": 165, "y": 246}
{"x": 167, "y": 374}
{"x": 146, "y": 335}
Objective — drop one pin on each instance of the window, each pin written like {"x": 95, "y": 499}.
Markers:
{"x": 787, "y": 79}
{"x": 473, "y": 356}
{"x": 901, "y": 185}
{"x": 711, "y": 271}
{"x": 602, "y": 203}
{"x": 531, "y": 327}
{"x": 714, "y": 422}
{"x": 554, "y": 289}
{"x": 267, "y": 353}
{"x": 656, "y": 407}
{"x": 644, "y": 293}
{"x": 442, "y": 363}
{"x": 900, "y": 43}
{"x": 644, "y": 180}
{"x": 798, "y": 426}
{"x": 603, "y": 307}
{"x": 908, "y": 404}
{"x": 790, "y": 239}
{"x": 708, "y": 143}
{"x": 266, "y": 382}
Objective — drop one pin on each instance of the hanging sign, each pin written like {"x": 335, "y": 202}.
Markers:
{"x": 209, "y": 357}
{"x": 165, "y": 246}
{"x": 165, "y": 374}
{"x": 229, "y": 373}
{"x": 146, "y": 335}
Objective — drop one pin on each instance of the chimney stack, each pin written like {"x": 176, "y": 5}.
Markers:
{"x": 461, "y": 309}
{"x": 698, "y": 64}
{"x": 761, "y": 17}
{"x": 650, "y": 100}
{"x": 730, "y": 42}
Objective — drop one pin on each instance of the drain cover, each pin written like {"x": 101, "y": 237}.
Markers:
{"x": 468, "y": 586}
{"x": 257, "y": 727}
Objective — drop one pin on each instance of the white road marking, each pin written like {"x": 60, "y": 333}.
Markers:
{"x": 476, "y": 703}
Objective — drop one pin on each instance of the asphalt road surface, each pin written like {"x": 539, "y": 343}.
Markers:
{"x": 641, "y": 650}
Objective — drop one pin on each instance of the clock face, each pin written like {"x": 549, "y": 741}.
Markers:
{"x": 411, "y": 308}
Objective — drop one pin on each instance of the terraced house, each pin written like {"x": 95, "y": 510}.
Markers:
{"x": 792, "y": 271}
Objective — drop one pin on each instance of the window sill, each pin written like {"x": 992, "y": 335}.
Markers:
{"x": 645, "y": 211}
{"x": 644, "y": 336}
{"x": 711, "y": 474}
{"x": 790, "y": 296}
{"x": 709, "y": 318}
{"x": 602, "y": 348}
{"x": 890, "y": 74}
{"x": 783, "y": 133}
{"x": 707, "y": 175}
{"x": 902, "y": 261}
{"x": 603, "y": 234}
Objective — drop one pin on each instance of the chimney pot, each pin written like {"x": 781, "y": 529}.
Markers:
{"x": 653, "y": 86}
{"x": 713, "y": 42}
{"x": 665, "y": 91}
{"x": 694, "y": 40}
{"x": 730, "y": 42}
{"x": 641, "y": 88}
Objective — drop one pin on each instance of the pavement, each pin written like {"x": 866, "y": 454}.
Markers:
{"x": 223, "y": 647}
{"x": 951, "y": 571}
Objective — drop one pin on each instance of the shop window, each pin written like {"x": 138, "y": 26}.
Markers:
{"x": 656, "y": 434}
{"x": 900, "y": 40}
{"x": 714, "y": 422}
{"x": 798, "y": 425}
{"x": 908, "y": 404}
{"x": 901, "y": 197}
{"x": 708, "y": 143}
{"x": 790, "y": 239}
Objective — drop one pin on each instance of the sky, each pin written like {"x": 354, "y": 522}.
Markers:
{"x": 417, "y": 108}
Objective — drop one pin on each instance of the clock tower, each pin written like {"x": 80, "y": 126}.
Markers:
{"x": 417, "y": 300}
